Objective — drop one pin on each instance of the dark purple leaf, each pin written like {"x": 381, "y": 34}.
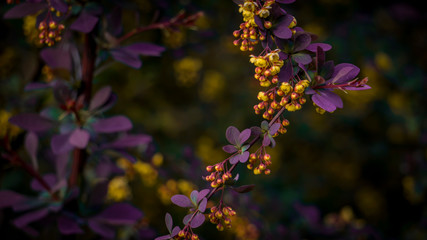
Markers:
{"x": 302, "y": 40}
{"x": 24, "y": 9}
{"x": 30, "y": 217}
{"x": 123, "y": 56}
{"x": 101, "y": 229}
{"x": 68, "y": 226}
{"x": 197, "y": 220}
{"x": 56, "y": 58}
{"x": 327, "y": 100}
{"x": 244, "y": 188}
{"x": 286, "y": 72}
{"x": 281, "y": 29}
{"x": 244, "y": 135}
{"x": 344, "y": 72}
{"x": 35, "y": 86}
{"x": 61, "y": 162}
{"x": 146, "y": 49}
{"x": 130, "y": 141}
{"x": 182, "y": 201}
{"x": 100, "y": 98}
{"x": 112, "y": 124}
{"x": 59, "y": 5}
{"x": 120, "y": 214}
{"x": 50, "y": 179}
{"x": 202, "y": 206}
{"x": 232, "y": 135}
{"x": 169, "y": 222}
{"x": 364, "y": 87}
{"x": 313, "y": 47}
{"x": 79, "y": 138}
{"x": 115, "y": 21}
{"x": 60, "y": 144}
{"x": 272, "y": 141}
{"x": 259, "y": 22}
{"x": 202, "y": 194}
{"x": 31, "y": 145}
{"x": 302, "y": 58}
{"x": 266, "y": 141}
{"x": 84, "y": 23}
{"x": 9, "y": 198}
{"x": 31, "y": 122}
{"x": 274, "y": 128}
{"x": 229, "y": 149}
{"x": 320, "y": 59}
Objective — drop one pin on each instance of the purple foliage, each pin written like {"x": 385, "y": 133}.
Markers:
{"x": 24, "y": 9}
{"x": 31, "y": 122}
{"x": 112, "y": 124}
{"x": 85, "y": 23}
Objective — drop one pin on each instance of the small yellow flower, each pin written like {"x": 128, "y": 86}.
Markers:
{"x": 7, "y": 128}
{"x": 118, "y": 189}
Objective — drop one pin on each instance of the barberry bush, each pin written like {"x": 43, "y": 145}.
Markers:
{"x": 124, "y": 123}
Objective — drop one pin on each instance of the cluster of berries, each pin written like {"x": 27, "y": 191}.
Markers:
{"x": 264, "y": 162}
{"x": 187, "y": 235}
{"x": 221, "y": 216}
{"x": 248, "y": 33}
{"x": 49, "y": 33}
{"x": 218, "y": 176}
{"x": 291, "y": 97}
{"x": 267, "y": 68}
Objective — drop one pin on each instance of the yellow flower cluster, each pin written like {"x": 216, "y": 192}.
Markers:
{"x": 187, "y": 70}
{"x": 248, "y": 33}
{"x": 267, "y": 68}
{"x": 118, "y": 189}
{"x": 221, "y": 216}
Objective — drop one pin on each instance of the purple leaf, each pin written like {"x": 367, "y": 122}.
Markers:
{"x": 35, "y": 86}
{"x": 244, "y": 135}
{"x": 168, "y": 221}
{"x": 344, "y": 72}
{"x": 274, "y": 128}
{"x": 302, "y": 58}
{"x": 9, "y": 198}
{"x": 175, "y": 231}
{"x": 302, "y": 40}
{"x": 120, "y": 214}
{"x": 146, "y": 49}
{"x": 202, "y": 194}
{"x": 31, "y": 122}
{"x": 24, "y": 9}
{"x": 68, "y": 226}
{"x": 30, "y": 217}
{"x": 182, "y": 201}
{"x": 364, "y": 87}
{"x": 100, "y": 98}
{"x": 327, "y": 100}
{"x": 130, "y": 141}
{"x": 56, "y": 58}
{"x": 112, "y": 124}
{"x": 31, "y": 145}
{"x": 123, "y": 56}
{"x": 187, "y": 218}
{"x": 197, "y": 220}
{"x": 313, "y": 47}
{"x": 59, "y": 5}
{"x": 202, "y": 206}
{"x": 244, "y": 157}
{"x": 234, "y": 159}
{"x": 232, "y": 135}
{"x": 286, "y": 72}
{"x": 266, "y": 141}
{"x": 84, "y": 23}
{"x": 193, "y": 197}
{"x": 101, "y": 229}
{"x": 79, "y": 138}
{"x": 244, "y": 188}
{"x": 50, "y": 179}
{"x": 164, "y": 237}
{"x": 229, "y": 149}
{"x": 281, "y": 29}
{"x": 60, "y": 144}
